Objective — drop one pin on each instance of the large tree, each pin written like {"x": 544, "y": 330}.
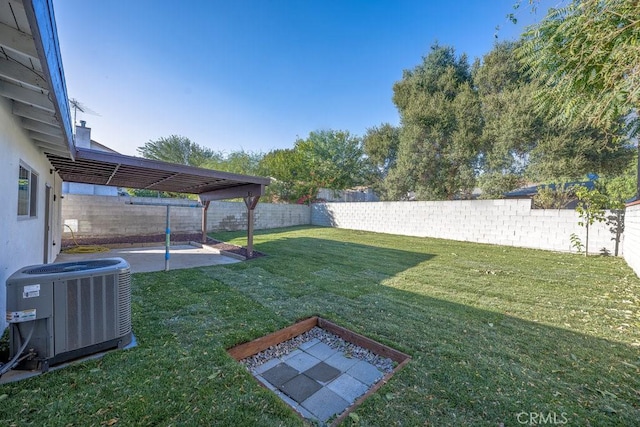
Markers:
{"x": 440, "y": 129}
{"x": 288, "y": 172}
{"x": 334, "y": 159}
{"x": 325, "y": 159}
{"x": 585, "y": 57}
{"x": 511, "y": 127}
{"x": 179, "y": 149}
{"x": 380, "y": 144}
{"x": 521, "y": 142}
{"x": 242, "y": 162}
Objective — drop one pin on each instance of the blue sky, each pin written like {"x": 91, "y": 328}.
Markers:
{"x": 256, "y": 74}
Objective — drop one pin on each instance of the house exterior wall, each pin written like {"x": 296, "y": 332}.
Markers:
{"x": 632, "y": 237}
{"x": 22, "y": 240}
{"x": 502, "y": 222}
{"x": 94, "y": 216}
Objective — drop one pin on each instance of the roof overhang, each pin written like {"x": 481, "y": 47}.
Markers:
{"x": 31, "y": 74}
{"x": 104, "y": 168}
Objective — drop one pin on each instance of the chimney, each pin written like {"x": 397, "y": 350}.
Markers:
{"x": 83, "y": 135}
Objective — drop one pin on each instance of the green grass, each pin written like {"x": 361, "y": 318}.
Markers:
{"x": 493, "y": 332}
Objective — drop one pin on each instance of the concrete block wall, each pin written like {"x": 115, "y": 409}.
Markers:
{"x": 93, "y": 216}
{"x": 632, "y": 237}
{"x": 502, "y": 222}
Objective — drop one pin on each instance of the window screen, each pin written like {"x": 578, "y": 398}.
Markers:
{"x": 27, "y": 192}
{"x": 24, "y": 193}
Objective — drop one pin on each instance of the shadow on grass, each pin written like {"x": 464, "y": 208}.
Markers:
{"x": 471, "y": 366}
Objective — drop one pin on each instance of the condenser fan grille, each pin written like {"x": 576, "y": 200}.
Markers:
{"x": 71, "y": 266}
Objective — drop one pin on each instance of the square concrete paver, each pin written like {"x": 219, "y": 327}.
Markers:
{"x": 348, "y": 387}
{"x": 266, "y": 366}
{"x": 340, "y": 362}
{"x": 365, "y": 372}
{"x": 279, "y": 374}
{"x": 267, "y": 384}
{"x": 300, "y": 387}
{"x": 325, "y": 403}
{"x": 308, "y": 344}
{"x": 300, "y": 360}
{"x": 322, "y": 372}
{"x": 321, "y": 351}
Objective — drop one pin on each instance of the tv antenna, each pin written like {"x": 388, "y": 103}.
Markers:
{"x": 79, "y": 106}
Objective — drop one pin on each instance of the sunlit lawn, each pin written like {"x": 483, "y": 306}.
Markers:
{"x": 497, "y": 335}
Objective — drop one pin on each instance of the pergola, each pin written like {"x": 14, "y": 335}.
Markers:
{"x": 105, "y": 168}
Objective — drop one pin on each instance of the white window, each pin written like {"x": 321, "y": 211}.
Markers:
{"x": 27, "y": 192}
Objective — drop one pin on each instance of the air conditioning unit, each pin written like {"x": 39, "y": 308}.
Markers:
{"x": 75, "y": 309}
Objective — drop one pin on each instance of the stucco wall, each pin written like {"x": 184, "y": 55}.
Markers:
{"x": 632, "y": 237}
{"x": 502, "y": 222}
{"x": 92, "y": 216}
{"x": 22, "y": 240}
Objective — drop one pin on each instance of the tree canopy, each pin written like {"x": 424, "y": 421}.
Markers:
{"x": 586, "y": 57}
{"x": 440, "y": 129}
{"x": 180, "y": 150}
{"x": 242, "y": 162}
{"x": 331, "y": 159}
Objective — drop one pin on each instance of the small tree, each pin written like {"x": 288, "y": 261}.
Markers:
{"x": 590, "y": 209}
{"x": 615, "y": 221}
{"x": 553, "y": 197}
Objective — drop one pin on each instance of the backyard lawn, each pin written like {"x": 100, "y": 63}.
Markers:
{"x": 496, "y": 335}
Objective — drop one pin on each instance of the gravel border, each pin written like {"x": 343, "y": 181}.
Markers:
{"x": 351, "y": 350}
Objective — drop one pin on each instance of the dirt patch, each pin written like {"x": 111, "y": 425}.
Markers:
{"x": 160, "y": 240}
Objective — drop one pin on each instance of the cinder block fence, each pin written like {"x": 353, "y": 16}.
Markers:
{"x": 503, "y": 222}
{"x": 96, "y": 216}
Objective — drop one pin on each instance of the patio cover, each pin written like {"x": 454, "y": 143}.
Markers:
{"x": 105, "y": 168}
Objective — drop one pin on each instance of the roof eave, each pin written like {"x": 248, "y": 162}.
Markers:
{"x": 43, "y": 27}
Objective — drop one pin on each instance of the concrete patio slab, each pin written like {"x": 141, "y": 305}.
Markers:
{"x": 148, "y": 259}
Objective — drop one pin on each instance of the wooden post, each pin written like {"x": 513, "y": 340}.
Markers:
{"x": 250, "y": 201}
{"x": 205, "y": 208}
